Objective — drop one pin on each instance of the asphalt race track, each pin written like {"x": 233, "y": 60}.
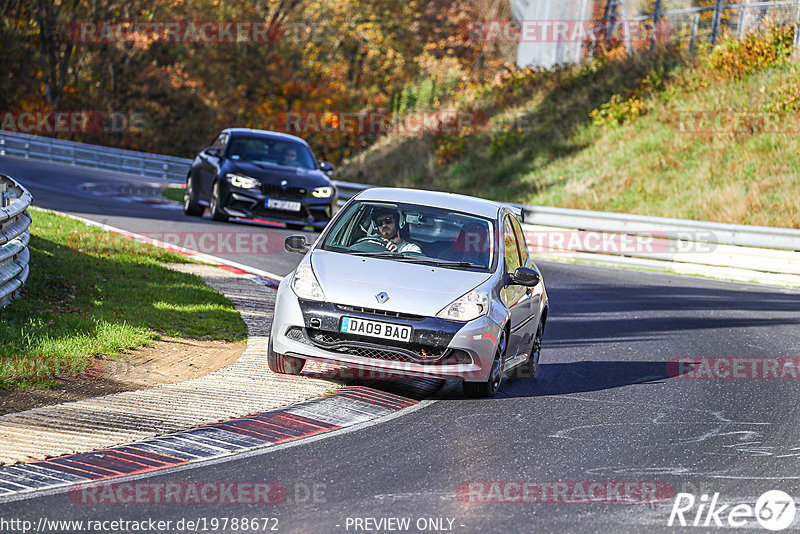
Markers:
{"x": 607, "y": 408}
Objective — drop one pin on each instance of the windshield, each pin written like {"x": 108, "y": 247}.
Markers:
{"x": 413, "y": 233}
{"x": 271, "y": 151}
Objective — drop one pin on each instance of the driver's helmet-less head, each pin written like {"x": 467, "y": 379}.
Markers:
{"x": 382, "y": 212}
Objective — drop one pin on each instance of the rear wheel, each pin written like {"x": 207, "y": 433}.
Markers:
{"x": 190, "y": 205}
{"x": 215, "y": 207}
{"x": 278, "y": 363}
{"x": 492, "y": 384}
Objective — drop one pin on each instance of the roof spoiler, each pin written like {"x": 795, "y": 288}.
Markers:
{"x": 518, "y": 209}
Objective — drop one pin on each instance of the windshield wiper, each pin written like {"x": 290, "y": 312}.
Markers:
{"x": 387, "y": 254}
{"x": 440, "y": 263}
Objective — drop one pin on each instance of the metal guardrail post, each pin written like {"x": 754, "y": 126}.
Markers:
{"x": 740, "y": 22}
{"x": 656, "y": 22}
{"x": 693, "y": 36}
{"x": 797, "y": 28}
{"x": 715, "y": 25}
{"x": 626, "y": 25}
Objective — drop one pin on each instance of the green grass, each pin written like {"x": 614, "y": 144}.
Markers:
{"x": 173, "y": 193}
{"x": 643, "y": 165}
{"x": 92, "y": 293}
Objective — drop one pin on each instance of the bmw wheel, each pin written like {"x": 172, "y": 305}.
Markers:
{"x": 492, "y": 384}
{"x": 278, "y": 363}
{"x": 217, "y": 214}
{"x": 190, "y": 205}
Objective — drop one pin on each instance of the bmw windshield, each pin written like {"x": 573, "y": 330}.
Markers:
{"x": 414, "y": 234}
{"x": 270, "y": 151}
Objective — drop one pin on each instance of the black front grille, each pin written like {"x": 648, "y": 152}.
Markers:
{"x": 325, "y": 340}
{"x": 275, "y": 190}
{"x": 381, "y": 313}
{"x": 356, "y": 346}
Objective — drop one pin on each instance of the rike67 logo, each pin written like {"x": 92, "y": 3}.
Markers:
{"x": 774, "y": 510}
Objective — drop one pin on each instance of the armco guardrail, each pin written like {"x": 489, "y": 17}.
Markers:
{"x": 14, "y": 237}
{"x": 701, "y": 231}
{"x": 129, "y": 161}
{"x": 736, "y": 252}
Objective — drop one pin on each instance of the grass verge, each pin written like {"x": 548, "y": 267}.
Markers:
{"x": 93, "y": 294}
{"x": 173, "y": 193}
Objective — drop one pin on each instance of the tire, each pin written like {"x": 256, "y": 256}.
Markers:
{"x": 476, "y": 390}
{"x": 190, "y": 205}
{"x": 296, "y": 226}
{"x": 214, "y": 207}
{"x": 531, "y": 365}
{"x": 287, "y": 365}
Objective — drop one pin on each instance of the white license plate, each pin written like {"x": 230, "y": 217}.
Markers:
{"x": 286, "y": 205}
{"x": 361, "y": 327}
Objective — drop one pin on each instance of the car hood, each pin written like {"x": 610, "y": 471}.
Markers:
{"x": 275, "y": 175}
{"x": 412, "y": 288}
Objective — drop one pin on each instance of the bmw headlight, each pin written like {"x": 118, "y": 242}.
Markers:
{"x": 322, "y": 192}
{"x": 468, "y": 307}
{"x": 305, "y": 284}
{"x": 245, "y": 182}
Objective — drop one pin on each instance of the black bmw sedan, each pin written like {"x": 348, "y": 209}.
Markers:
{"x": 260, "y": 174}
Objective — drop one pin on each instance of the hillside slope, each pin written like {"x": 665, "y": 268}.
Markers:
{"x": 711, "y": 139}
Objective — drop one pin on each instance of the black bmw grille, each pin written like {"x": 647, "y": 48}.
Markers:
{"x": 275, "y": 190}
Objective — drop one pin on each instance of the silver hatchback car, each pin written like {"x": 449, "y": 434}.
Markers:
{"x": 416, "y": 284}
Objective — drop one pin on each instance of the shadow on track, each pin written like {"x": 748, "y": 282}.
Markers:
{"x": 581, "y": 377}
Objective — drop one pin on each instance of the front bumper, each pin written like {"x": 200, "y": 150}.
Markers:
{"x": 439, "y": 348}
{"x": 250, "y": 204}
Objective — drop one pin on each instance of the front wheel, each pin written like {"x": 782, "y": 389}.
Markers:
{"x": 190, "y": 205}
{"x": 492, "y": 384}
{"x": 531, "y": 365}
{"x": 215, "y": 207}
{"x": 287, "y": 365}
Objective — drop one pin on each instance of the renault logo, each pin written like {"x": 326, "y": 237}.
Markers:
{"x": 382, "y": 297}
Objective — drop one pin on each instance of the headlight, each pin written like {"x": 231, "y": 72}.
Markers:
{"x": 245, "y": 182}
{"x": 322, "y": 192}
{"x": 305, "y": 284}
{"x": 469, "y": 307}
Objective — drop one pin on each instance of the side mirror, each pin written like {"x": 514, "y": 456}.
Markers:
{"x": 296, "y": 244}
{"x": 213, "y": 151}
{"x": 525, "y": 276}
{"x": 326, "y": 167}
